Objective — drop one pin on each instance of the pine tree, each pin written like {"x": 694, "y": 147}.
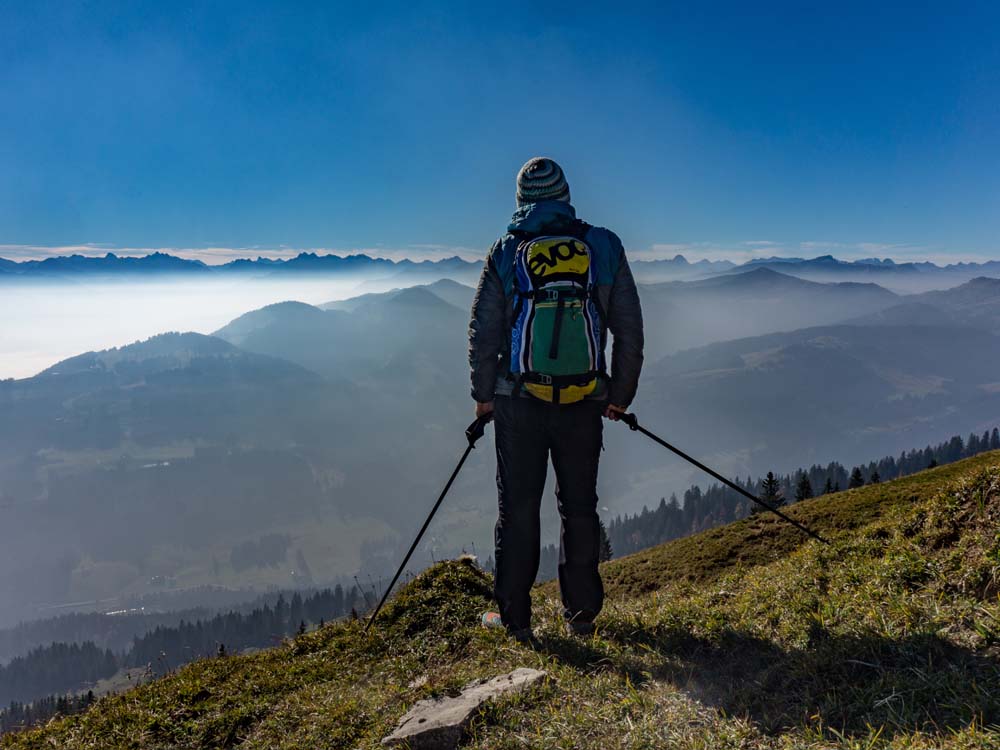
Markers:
{"x": 828, "y": 487}
{"x": 803, "y": 490}
{"x": 955, "y": 449}
{"x": 972, "y": 444}
{"x": 995, "y": 439}
{"x": 296, "y": 609}
{"x": 338, "y": 600}
{"x": 770, "y": 492}
{"x": 857, "y": 480}
{"x": 605, "y": 551}
{"x": 875, "y": 478}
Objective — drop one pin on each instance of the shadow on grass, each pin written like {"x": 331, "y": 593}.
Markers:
{"x": 849, "y": 683}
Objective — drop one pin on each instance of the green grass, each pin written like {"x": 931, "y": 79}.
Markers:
{"x": 749, "y": 636}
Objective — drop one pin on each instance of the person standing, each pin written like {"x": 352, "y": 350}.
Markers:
{"x": 551, "y": 289}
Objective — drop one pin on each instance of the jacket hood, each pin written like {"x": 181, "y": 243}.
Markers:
{"x": 542, "y": 216}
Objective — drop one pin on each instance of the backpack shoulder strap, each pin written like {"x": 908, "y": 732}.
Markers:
{"x": 580, "y": 229}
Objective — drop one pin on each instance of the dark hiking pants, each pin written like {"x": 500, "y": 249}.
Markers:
{"x": 528, "y": 431}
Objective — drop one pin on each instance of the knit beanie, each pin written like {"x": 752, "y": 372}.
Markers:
{"x": 541, "y": 179}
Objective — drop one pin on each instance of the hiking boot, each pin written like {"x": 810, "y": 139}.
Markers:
{"x": 579, "y": 629}
{"x": 521, "y": 635}
{"x": 524, "y": 635}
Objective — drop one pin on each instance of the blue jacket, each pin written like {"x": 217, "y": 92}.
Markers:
{"x": 493, "y": 308}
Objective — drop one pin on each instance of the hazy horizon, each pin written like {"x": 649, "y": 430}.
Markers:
{"x": 58, "y": 318}
{"x": 104, "y": 315}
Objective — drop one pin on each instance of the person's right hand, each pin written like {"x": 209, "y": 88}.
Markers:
{"x": 614, "y": 412}
{"x": 483, "y": 408}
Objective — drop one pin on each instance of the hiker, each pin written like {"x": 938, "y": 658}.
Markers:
{"x": 551, "y": 289}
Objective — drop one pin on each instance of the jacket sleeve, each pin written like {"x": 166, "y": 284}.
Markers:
{"x": 625, "y": 323}
{"x": 486, "y": 329}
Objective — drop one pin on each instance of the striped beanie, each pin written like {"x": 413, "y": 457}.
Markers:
{"x": 541, "y": 179}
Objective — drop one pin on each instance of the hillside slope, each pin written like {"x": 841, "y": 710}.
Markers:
{"x": 741, "y": 637}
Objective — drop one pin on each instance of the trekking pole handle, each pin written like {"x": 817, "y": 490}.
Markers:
{"x": 477, "y": 428}
{"x": 630, "y": 420}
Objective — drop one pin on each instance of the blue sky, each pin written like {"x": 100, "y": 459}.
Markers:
{"x": 717, "y": 130}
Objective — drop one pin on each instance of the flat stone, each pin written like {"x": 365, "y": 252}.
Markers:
{"x": 440, "y": 724}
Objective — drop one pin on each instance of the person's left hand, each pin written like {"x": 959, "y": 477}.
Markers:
{"x": 614, "y": 412}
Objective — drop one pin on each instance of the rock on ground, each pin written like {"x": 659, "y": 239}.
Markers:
{"x": 440, "y": 724}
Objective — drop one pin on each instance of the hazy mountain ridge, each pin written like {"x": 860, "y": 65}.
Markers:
{"x": 150, "y": 462}
{"x": 159, "y": 263}
{"x": 975, "y": 303}
{"x": 333, "y": 426}
{"x": 450, "y": 291}
{"x": 677, "y": 267}
{"x": 906, "y": 277}
{"x": 381, "y": 274}
{"x": 407, "y": 322}
{"x": 109, "y": 263}
{"x": 837, "y": 390}
{"x": 153, "y": 460}
{"x": 685, "y": 314}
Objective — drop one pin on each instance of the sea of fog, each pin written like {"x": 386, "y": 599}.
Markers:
{"x": 43, "y": 324}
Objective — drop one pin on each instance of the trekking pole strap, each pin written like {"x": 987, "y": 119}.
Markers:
{"x": 472, "y": 433}
{"x": 633, "y": 424}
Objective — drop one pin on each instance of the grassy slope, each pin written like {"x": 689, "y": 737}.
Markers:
{"x": 741, "y": 637}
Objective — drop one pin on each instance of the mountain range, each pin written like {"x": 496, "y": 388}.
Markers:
{"x": 141, "y": 467}
{"x": 694, "y": 313}
{"x": 161, "y": 264}
{"x": 910, "y": 277}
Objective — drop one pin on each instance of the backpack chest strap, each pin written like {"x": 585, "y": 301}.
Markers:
{"x": 553, "y": 295}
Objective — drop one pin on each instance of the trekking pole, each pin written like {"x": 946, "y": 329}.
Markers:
{"x": 633, "y": 423}
{"x": 472, "y": 434}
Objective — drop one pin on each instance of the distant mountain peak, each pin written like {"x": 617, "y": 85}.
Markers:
{"x": 874, "y": 262}
{"x": 987, "y": 282}
{"x": 173, "y": 345}
{"x": 773, "y": 259}
{"x": 763, "y": 273}
{"x": 290, "y": 304}
{"x": 417, "y": 296}
{"x": 447, "y": 284}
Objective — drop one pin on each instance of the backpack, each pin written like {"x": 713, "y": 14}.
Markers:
{"x": 556, "y": 352}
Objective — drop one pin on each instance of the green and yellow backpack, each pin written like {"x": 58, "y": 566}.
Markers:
{"x": 556, "y": 352}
